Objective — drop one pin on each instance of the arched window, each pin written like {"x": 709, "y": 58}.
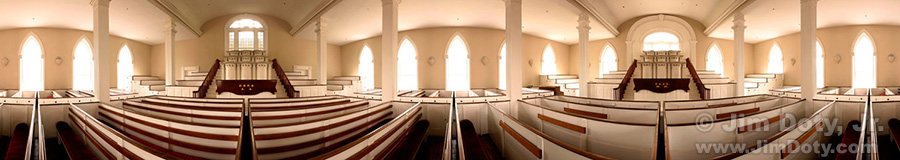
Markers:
{"x": 502, "y": 66}
{"x": 608, "y": 60}
{"x": 125, "y": 68}
{"x": 820, "y": 66}
{"x": 367, "y": 68}
{"x": 246, "y": 32}
{"x": 661, "y": 41}
{"x": 31, "y": 66}
{"x": 407, "y": 66}
{"x": 548, "y": 65}
{"x": 714, "y": 60}
{"x": 776, "y": 62}
{"x": 83, "y": 66}
{"x": 864, "y": 62}
{"x": 457, "y": 64}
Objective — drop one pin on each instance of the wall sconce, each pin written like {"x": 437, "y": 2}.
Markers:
{"x": 58, "y": 60}
{"x": 431, "y": 60}
{"x": 484, "y": 60}
{"x": 837, "y": 58}
{"x": 531, "y": 62}
{"x": 891, "y": 58}
{"x": 4, "y": 61}
{"x": 793, "y": 61}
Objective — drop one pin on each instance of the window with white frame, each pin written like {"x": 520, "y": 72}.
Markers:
{"x": 31, "y": 66}
{"x": 548, "y": 64}
{"x": 502, "y": 66}
{"x": 246, "y": 33}
{"x": 820, "y": 66}
{"x": 608, "y": 60}
{"x": 83, "y": 66}
{"x": 661, "y": 41}
{"x": 125, "y": 69}
{"x": 864, "y": 62}
{"x": 714, "y": 61}
{"x": 776, "y": 60}
{"x": 407, "y": 67}
{"x": 457, "y": 65}
{"x": 367, "y": 68}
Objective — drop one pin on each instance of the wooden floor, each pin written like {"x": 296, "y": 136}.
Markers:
{"x": 433, "y": 148}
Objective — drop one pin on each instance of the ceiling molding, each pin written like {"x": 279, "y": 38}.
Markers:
{"x": 736, "y": 5}
{"x": 314, "y": 15}
{"x": 173, "y": 12}
{"x": 596, "y": 14}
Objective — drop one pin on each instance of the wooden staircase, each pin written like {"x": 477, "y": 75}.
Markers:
{"x": 285, "y": 81}
{"x": 204, "y": 87}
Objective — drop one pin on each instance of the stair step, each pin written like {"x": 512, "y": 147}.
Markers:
{"x": 195, "y": 78}
{"x": 761, "y": 76}
{"x": 297, "y": 77}
{"x": 572, "y": 86}
{"x": 144, "y": 78}
{"x": 608, "y": 80}
{"x": 618, "y": 72}
{"x": 336, "y": 87}
{"x": 204, "y": 73}
{"x": 709, "y": 76}
{"x": 296, "y": 74}
{"x": 619, "y": 76}
{"x": 303, "y": 82}
{"x": 158, "y": 87}
{"x": 189, "y": 82}
{"x": 562, "y": 77}
{"x": 714, "y": 80}
{"x": 152, "y": 82}
{"x": 565, "y": 81}
{"x": 751, "y": 85}
{"x": 355, "y": 78}
{"x": 343, "y": 82}
{"x": 759, "y": 80}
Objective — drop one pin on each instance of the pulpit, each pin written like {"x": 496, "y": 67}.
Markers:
{"x": 662, "y": 76}
{"x": 248, "y": 74}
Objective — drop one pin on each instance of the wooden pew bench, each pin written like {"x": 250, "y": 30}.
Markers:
{"x": 894, "y": 126}
{"x": 75, "y": 147}
{"x": 19, "y": 143}
{"x": 850, "y": 137}
{"x": 115, "y": 142}
{"x": 471, "y": 141}
{"x": 412, "y": 140}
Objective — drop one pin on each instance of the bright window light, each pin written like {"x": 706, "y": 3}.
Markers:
{"x": 83, "y": 67}
{"x": 457, "y": 65}
{"x": 407, "y": 76}
{"x": 864, "y": 62}
{"x": 661, "y": 41}
{"x": 820, "y": 66}
{"x": 548, "y": 66}
{"x": 714, "y": 60}
{"x": 608, "y": 60}
{"x": 502, "y": 66}
{"x": 245, "y": 23}
{"x": 32, "y": 66}
{"x": 367, "y": 68}
{"x": 125, "y": 69}
{"x": 776, "y": 62}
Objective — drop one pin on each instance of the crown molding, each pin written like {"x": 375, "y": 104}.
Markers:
{"x": 176, "y": 14}
{"x": 735, "y": 6}
{"x": 583, "y": 6}
{"x": 314, "y": 15}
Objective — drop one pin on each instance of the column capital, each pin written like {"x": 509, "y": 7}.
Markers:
{"x": 104, "y": 3}
{"x": 170, "y": 27}
{"x": 508, "y": 2}
{"x": 321, "y": 25}
{"x": 584, "y": 22}
{"x": 739, "y": 22}
{"x": 390, "y": 2}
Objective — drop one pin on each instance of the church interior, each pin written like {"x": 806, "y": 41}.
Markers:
{"x": 449, "y": 79}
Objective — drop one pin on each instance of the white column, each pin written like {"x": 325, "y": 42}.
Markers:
{"x": 514, "y": 53}
{"x": 170, "y": 51}
{"x": 322, "y": 56}
{"x": 739, "y": 53}
{"x": 389, "y": 45}
{"x": 808, "y": 50}
{"x": 101, "y": 50}
{"x": 584, "y": 30}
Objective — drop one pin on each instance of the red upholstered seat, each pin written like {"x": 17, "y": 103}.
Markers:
{"x": 75, "y": 146}
{"x": 894, "y": 124}
{"x": 471, "y": 142}
{"x": 851, "y": 137}
{"x": 18, "y": 144}
{"x": 411, "y": 142}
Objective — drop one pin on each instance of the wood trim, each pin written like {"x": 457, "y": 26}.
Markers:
{"x": 772, "y": 138}
{"x": 737, "y": 114}
{"x": 126, "y": 105}
{"x": 602, "y": 106}
{"x": 310, "y": 113}
{"x": 524, "y": 142}
{"x": 291, "y": 100}
{"x": 316, "y": 120}
{"x": 127, "y": 128}
{"x": 170, "y": 129}
{"x": 379, "y": 141}
{"x": 93, "y": 141}
{"x": 296, "y": 107}
{"x": 125, "y": 152}
{"x": 199, "y": 100}
{"x": 364, "y": 139}
{"x": 586, "y": 117}
{"x": 293, "y": 147}
{"x": 723, "y": 105}
{"x": 754, "y": 126}
{"x": 793, "y": 146}
{"x": 747, "y": 115}
{"x": 727, "y": 98}
{"x": 587, "y": 113}
{"x": 220, "y": 109}
{"x": 565, "y": 125}
{"x": 176, "y": 120}
{"x": 296, "y": 133}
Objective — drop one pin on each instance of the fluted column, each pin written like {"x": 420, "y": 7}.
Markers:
{"x": 514, "y": 53}
{"x": 322, "y": 56}
{"x": 808, "y": 50}
{"x": 584, "y": 30}
{"x": 170, "y": 51}
{"x": 739, "y": 53}
{"x": 101, "y": 50}
{"x": 389, "y": 45}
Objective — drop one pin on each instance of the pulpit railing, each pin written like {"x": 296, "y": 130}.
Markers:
{"x": 704, "y": 92}
{"x": 285, "y": 81}
{"x": 204, "y": 88}
{"x": 624, "y": 84}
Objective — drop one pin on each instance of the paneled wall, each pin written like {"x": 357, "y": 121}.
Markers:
{"x": 61, "y": 43}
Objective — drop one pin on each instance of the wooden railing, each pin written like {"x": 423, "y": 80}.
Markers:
{"x": 624, "y": 84}
{"x": 704, "y": 92}
{"x": 285, "y": 81}
{"x": 201, "y": 93}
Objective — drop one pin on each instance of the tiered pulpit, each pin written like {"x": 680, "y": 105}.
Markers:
{"x": 662, "y": 76}
{"x": 247, "y": 75}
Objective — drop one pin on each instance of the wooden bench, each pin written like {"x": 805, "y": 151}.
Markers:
{"x": 75, "y": 147}
{"x": 116, "y": 142}
{"x": 471, "y": 141}
{"x": 894, "y": 126}
{"x": 409, "y": 145}
{"x": 18, "y": 144}
{"x": 851, "y": 137}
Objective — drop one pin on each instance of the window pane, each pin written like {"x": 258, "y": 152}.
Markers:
{"x": 31, "y": 66}
{"x": 714, "y": 60}
{"x": 245, "y": 23}
{"x": 608, "y": 61}
{"x": 83, "y": 67}
{"x": 245, "y": 40}
{"x": 125, "y": 69}
{"x": 661, "y": 41}
{"x": 548, "y": 66}
{"x": 457, "y": 65}
{"x": 367, "y": 68}
{"x": 776, "y": 63}
{"x": 820, "y": 66}
{"x": 864, "y": 62}
{"x": 230, "y": 40}
{"x": 407, "y": 67}
{"x": 261, "y": 39}
{"x": 502, "y": 66}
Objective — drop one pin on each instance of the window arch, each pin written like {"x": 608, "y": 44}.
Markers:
{"x": 31, "y": 64}
{"x": 246, "y": 32}
{"x": 125, "y": 68}
{"x": 367, "y": 67}
{"x": 776, "y": 60}
{"x": 457, "y": 65}
{"x": 407, "y": 66}
{"x": 548, "y": 64}
{"x": 608, "y": 60}
{"x": 820, "y": 65}
{"x": 83, "y": 66}
{"x": 714, "y": 60}
{"x": 502, "y": 66}
{"x": 661, "y": 41}
{"x": 864, "y": 62}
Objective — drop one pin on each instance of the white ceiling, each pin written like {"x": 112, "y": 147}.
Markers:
{"x": 133, "y": 19}
{"x": 198, "y": 12}
{"x": 618, "y": 11}
{"x": 353, "y": 20}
